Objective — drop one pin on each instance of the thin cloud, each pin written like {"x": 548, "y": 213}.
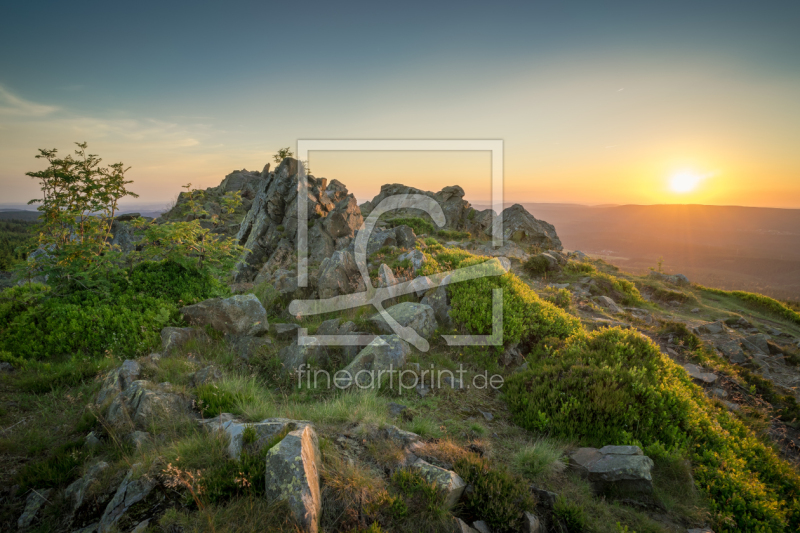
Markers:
{"x": 16, "y": 106}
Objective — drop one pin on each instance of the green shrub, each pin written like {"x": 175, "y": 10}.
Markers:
{"x": 666, "y": 295}
{"x": 418, "y": 224}
{"x": 615, "y": 387}
{"x": 525, "y": 315}
{"x": 682, "y": 334}
{"x": 429, "y": 241}
{"x": 452, "y": 235}
{"x": 579, "y": 267}
{"x": 759, "y": 301}
{"x": 498, "y": 497}
{"x": 124, "y": 315}
{"x": 561, "y": 297}
{"x": 536, "y": 265}
{"x": 571, "y": 514}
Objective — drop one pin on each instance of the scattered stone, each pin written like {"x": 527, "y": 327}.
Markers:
{"x": 511, "y": 357}
{"x": 78, "y": 489}
{"x": 462, "y": 527}
{"x": 118, "y": 380}
{"x": 292, "y": 475}
{"x": 546, "y": 498}
{"x": 386, "y": 276}
{"x": 712, "y": 327}
{"x": 422, "y": 390}
{"x": 697, "y": 373}
{"x": 284, "y": 332}
{"x": 696, "y": 310}
{"x": 453, "y": 383}
{"x": 396, "y": 409}
{"x": 486, "y": 415}
{"x": 241, "y": 314}
{"x": 92, "y": 441}
{"x": 617, "y": 468}
{"x": 329, "y": 327}
{"x": 731, "y": 406}
{"x": 416, "y": 257}
{"x": 676, "y": 279}
{"x": 419, "y": 317}
{"x": 6, "y": 367}
{"x": 445, "y": 480}
{"x": 137, "y": 439}
{"x": 481, "y": 526}
{"x": 34, "y": 502}
{"x": 757, "y": 343}
{"x": 209, "y": 374}
{"x": 405, "y": 236}
{"x": 296, "y": 354}
{"x": 732, "y": 350}
{"x": 399, "y": 436}
{"x": 609, "y": 304}
{"x": 531, "y": 523}
{"x": 719, "y": 392}
{"x": 248, "y": 347}
{"x": 130, "y": 492}
{"x": 173, "y": 338}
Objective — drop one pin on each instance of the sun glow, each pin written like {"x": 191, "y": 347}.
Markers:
{"x": 685, "y": 181}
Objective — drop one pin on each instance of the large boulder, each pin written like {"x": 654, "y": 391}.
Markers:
{"x": 386, "y": 352}
{"x": 521, "y": 227}
{"x": 417, "y": 316}
{"x": 345, "y": 219}
{"x": 143, "y": 403}
{"x": 76, "y": 493}
{"x": 241, "y": 314}
{"x": 339, "y": 275}
{"x": 294, "y": 355}
{"x": 292, "y": 475}
{"x": 621, "y": 470}
{"x": 34, "y": 502}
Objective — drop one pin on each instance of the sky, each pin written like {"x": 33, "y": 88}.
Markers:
{"x": 595, "y": 102}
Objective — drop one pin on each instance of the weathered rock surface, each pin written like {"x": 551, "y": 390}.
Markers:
{"x": 698, "y": 373}
{"x": 78, "y": 489}
{"x": 416, "y": 258}
{"x": 174, "y": 338}
{"x": 609, "y": 304}
{"x": 142, "y": 403}
{"x": 439, "y": 301}
{"x": 241, "y": 314}
{"x": 295, "y": 354}
{"x": 265, "y": 431}
{"x": 118, "y": 380}
{"x": 447, "y": 481}
{"x": 130, "y": 492}
{"x": 204, "y": 376}
{"x": 339, "y": 274}
{"x": 417, "y": 316}
{"x": 292, "y": 475}
{"x": 284, "y": 332}
{"x": 385, "y": 352}
{"x": 732, "y": 349}
{"x": 620, "y": 469}
{"x": 521, "y": 227}
{"x": 248, "y": 347}
{"x": 676, "y": 279}
{"x": 35, "y": 500}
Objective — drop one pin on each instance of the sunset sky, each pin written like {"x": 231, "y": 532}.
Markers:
{"x": 596, "y": 102}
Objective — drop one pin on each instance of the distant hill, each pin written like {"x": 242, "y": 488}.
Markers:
{"x": 18, "y": 214}
{"x": 749, "y": 248}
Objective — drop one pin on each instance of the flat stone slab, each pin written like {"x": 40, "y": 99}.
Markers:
{"x": 696, "y": 372}
{"x": 445, "y": 480}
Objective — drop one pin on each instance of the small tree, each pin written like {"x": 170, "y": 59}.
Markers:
{"x": 80, "y": 200}
{"x": 282, "y": 154}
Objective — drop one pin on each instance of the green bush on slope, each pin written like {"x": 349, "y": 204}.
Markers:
{"x": 525, "y": 315}
{"x": 758, "y": 300}
{"x": 615, "y": 387}
{"x": 125, "y": 317}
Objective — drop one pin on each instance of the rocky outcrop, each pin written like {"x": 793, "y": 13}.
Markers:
{"x": 242, "y": 314}
{"x": 292, "y": 475}
{"x": 294, "y": 355}
{"x": 675, "y": 279}
{"x": 272, "y": 218}
{"x": 339, "y": 275}
{"x": 451, "y": 200}
{"x": 439, "y": 301}
{"x": 521, "y": 227}
{"x": 419, "y": 317}
{"x": 118, "y": 380}
{"x": 447, "y": 481}
{"x": 622, "y": 470}
{"x": 36, "y": 499}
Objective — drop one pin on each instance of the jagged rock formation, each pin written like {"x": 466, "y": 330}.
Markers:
{"x": 271, "y": 222}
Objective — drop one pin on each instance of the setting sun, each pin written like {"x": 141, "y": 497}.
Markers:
{"x": 684, "y": 182}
